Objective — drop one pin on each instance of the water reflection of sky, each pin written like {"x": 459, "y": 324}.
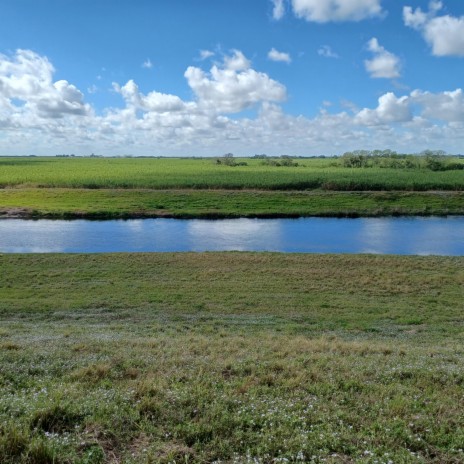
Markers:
{"x": 234, "y": 234}
{"x": 377, "y": 236}
{"x": 422, "y": 236}
{"x": 419, "y": 236}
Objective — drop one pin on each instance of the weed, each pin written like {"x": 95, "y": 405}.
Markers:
{"x": 9, "y": 346}
{"x": 92, "y": 373}
{"x": 41, "y": 452}
{"x": 56, "y": 419}
{"x": 13, "y": 442}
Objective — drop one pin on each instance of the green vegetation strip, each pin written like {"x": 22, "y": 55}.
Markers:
{"x": 167, "y": 173}
{"x": 231, "y": 357}
{"x": 212, "y": 188}
{"x": 124, "y": 203}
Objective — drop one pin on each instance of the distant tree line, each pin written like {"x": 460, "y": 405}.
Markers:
{"x": 434, "y": 160}
{"x": 283, "y": 160}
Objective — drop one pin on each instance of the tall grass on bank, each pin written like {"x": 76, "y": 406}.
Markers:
{"x": 126, "y": 203}
{"x": 231, "y": 357}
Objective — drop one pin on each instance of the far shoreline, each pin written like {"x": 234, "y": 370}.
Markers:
{"x": 107, "y": 204}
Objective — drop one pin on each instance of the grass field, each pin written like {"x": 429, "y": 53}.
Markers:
{"x": 206, "y": 174}
{"x": 131, "y": 187}
{"x": 228, "y": 357}
{"x": 231, "y": 357}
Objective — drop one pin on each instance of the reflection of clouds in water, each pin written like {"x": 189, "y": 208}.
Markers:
{"x": 135, "y": 225}
{"x": 376, "y": 235}
{"x": 436, "y": 238}
{"x": 162, "y": 235}
{"x": 440, "y": 236}
{"x": 418, "y": 236}
{"x": 143, "y": 234}
{"x": 44, "y": 236}
{"x": 234, "y": 234}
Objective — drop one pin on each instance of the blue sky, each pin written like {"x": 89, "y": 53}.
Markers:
{"x": 206, "y": 77}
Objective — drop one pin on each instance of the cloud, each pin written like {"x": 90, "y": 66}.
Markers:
{"x": 147, "y": 64}
{"x": 390, "y": 109}
{"x": 28, "y": 77}
{"x": 384, "y": 64}
{"x": 327, "y": 52}
{"x": 447, "y": 106}
{"x": 445, "y": 34}
{"x": 153, "y": 101}
{"x": 237, "y": 61}
{"x": 279, "y": 9}
{"x": 323, "y": 11}
{"x": 41, "y": 116}
{"x": 415, "y": 19}
{"x": 205, "y": 54}
{"x": 275, "y": 55}
{"x": 232, "y": 87}
{"x": 65, "y": 99}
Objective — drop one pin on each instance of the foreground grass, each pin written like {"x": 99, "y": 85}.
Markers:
{"x": 110, "y": 203}
{"x": 231, "y": 357}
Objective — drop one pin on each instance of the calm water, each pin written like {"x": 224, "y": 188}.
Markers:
{"x": 423, "y": 236}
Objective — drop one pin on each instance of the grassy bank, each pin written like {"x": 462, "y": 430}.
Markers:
{"x": 231, "y": 357}
{"x": 122, "y": 203}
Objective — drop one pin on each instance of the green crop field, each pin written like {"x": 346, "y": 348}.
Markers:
{"x": 144, "y": 187}
{"x": 231, "y": 357}
{"x": 206, "y": 174}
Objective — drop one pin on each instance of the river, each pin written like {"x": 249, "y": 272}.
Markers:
{"x": 404, "y": 236}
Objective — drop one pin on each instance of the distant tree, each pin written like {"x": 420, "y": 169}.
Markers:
{"x": 287, "y": 161}
{"x": 228, "y": 160}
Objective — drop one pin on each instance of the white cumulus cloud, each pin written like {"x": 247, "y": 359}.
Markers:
{"x": 234, "y": 86}
{"x": 384, "y": 64}
{"x": 323, "y": 11}
{"x": 445, "y": 34}
{"x": 279, "y": 9}
{"x": 237, "y": 61}
{"x": 275, "y": 55}
{"x": 447, "y": 106}
{"x": 42, "y": 116}
{"x": 153, "y": 101}
{"x": 28, "y": 77}
{"x": 64, "y": 99}
{"x": 390, "y": 109}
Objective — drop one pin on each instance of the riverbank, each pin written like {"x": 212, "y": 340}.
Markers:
{"x": 65, "y": 203}
{"x": 201, "y": 357}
